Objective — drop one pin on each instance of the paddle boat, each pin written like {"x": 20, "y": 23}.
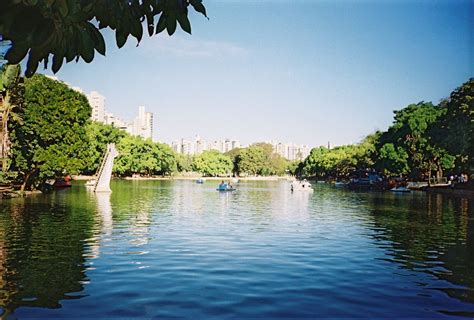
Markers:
{"x": 341, "y": 184}
{"x": 301, "y": 186}
{"x": 224, "y": 187}
{"x": 400, "y": 189}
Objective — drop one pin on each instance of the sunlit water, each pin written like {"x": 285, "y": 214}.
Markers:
{"x": 165, "y": 249}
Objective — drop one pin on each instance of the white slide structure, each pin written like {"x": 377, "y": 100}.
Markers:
{"x": 105, "y": 171}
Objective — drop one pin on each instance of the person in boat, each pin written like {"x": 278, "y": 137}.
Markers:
{"x": 229, "y": 186}
{"x": 222, "y": 185}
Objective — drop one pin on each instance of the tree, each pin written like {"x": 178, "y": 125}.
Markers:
{"x": 212, "y": 163}
{"x": 184, "y": 162}
{"x": 393, "y": 161}
{"x": 70, "y": 29}
{"x": 137, "y": 155}
{"x": 254, "y": 161}
{"x": 99, "y": 135}
{"x": 455, "y": 129}
{"x": 410, "y": 131}
{"x": 51, "y": 141}
{"x": 11, "y": 94}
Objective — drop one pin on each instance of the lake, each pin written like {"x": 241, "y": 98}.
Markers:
{"x": 177, "y": 249}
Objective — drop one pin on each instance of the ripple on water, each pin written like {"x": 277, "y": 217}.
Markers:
{"x": 177, "y": 249}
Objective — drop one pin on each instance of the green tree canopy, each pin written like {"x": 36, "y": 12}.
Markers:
{"x": 99, "y": 135}
{"x": 409, "y": 134}
{"x": 212, "y": 163}
{"x": 455, "y": 129}
{"x": 51, "y": 140}
{"x": 253, "y": 161}
{"x": 70, "y": 29}
{"x": 137, "y": 155}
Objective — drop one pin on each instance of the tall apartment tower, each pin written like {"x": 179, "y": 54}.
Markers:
{"x": 97, "y": 103}
{"x": 143, "y": 124}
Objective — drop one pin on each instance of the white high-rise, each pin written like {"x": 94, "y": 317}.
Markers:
{"x": 97, "y": 103}
{"x": 143, "y": 124}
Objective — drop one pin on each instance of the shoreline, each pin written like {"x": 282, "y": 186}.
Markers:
{"x": 268, "y": 178}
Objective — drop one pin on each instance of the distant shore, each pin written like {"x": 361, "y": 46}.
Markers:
{"x": 268, "y": 178}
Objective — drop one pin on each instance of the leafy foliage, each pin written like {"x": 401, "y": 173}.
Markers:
{"x": 455, "y": 129}
{"x": 410, "y": 147}
{"x": 65, "y": 30}
{"x": 212, "y": 163}
{"x": 137, "y": 155}
{"x": 98, "y": 136}
{"x": 51, "y": 141}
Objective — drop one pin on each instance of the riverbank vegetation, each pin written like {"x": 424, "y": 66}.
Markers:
{"x": 47, "y": 133}
{"x": 425, "y": 140}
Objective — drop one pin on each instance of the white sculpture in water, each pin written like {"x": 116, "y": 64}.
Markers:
{"x": 105, "y": 170}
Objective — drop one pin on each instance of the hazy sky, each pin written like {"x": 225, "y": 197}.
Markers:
{"x": 292, "y": 71}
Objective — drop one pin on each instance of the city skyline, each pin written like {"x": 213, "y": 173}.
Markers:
{"x": 250, "y": 76}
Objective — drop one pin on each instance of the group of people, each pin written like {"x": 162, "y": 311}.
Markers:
{"x": 462, "y": 178}
{"x": 225, "y": 186}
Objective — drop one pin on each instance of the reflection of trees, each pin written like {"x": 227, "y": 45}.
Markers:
{"x": 426, "y": 230}
{"x": 135, "y": 201}
{"x": 42, "y": 251}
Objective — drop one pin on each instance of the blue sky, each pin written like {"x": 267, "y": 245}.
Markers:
{"x": 292, "y": 71}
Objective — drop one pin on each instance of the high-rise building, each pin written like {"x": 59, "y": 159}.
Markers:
{"x": 186, "y": 147}
{"x": 199, "y": 145}
{"x": 235, "y": 144}
{"x": 227, "y": 146}
{"x": 143, "y": 124}
{"x": 176, "y": 146}
{"x": 97, "y": 103}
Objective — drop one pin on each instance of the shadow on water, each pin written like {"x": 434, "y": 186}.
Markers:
{"x": 428, "y": 233}
{"x": 42, "y": 250}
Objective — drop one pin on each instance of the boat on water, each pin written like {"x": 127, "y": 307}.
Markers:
{"x": 200, "y": 181}
{"x": 400, "y": 189}
{"x": 59, "y": 183}
{"x": 301, "y": 186}
{"x": 341, "y": 184}
{"x": 225, "y": 187}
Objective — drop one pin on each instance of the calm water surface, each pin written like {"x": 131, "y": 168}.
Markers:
{"x": 176, "y": 249}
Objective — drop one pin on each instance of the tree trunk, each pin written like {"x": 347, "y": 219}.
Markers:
{"x": 5, "y": 112}
{"x": 27, "y": 178}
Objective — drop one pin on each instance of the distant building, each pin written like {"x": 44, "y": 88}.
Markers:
{"x": 186, "y": 147}
{"x": 97, "y": 103}
{"x": 142, "y": 125}
{"x": 227, "y": 145}
{"x": 199, "y": 145}
{"x": 235, "y": 144}
{"x": 176, "y": 146}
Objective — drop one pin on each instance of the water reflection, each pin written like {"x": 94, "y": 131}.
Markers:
{"x": 42, "y": 252}
{"x": 259, "y": 251}
{"x": 431, "y": 234}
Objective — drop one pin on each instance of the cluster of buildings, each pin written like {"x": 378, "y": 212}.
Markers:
{"x": 142, "y": 125}
{"x": 199, "y": 145}
{"x": 289, "y": 151}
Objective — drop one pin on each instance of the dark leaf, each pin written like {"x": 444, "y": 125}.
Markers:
{"x": 198, "y": 6}
{"x": 16, "y": 53}
{"x": 45, "y": 61}
{"x": 87, "y": 50}
{"x": 184, "y": 22}
{"x": 161, "y": 24}
{"x": 171, "y": 24}
{"x": 121, "y": 38}
{"x": 31, "y": 66}
{"x": 57, "y": 62}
